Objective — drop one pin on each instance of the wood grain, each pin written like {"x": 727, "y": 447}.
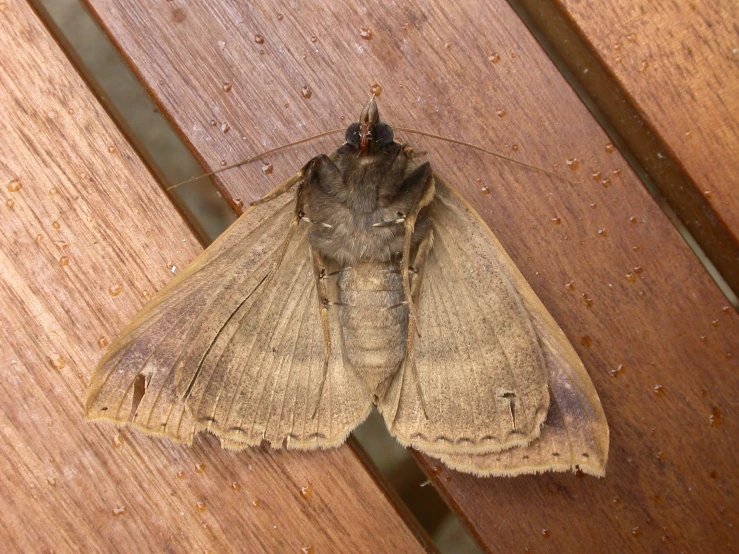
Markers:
{"x": 86, "y": 236}
{"x": 665, "y": 75}
{"x": 654, "y": 332}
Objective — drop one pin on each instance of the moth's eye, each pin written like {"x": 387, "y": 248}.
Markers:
{"x": 384, "y": 134}
{"x": 352, "y": 133}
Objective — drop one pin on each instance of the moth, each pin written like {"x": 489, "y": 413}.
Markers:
{"x": 364, "y": 280}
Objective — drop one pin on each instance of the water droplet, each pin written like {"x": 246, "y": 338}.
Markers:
{"x": 573, "y": 164}
{"x": 715, "y": 418}
{"x": 376, "y": 90}
{"x": 588, "y": 301}
{"x": 180, "y": 474}
{"x": 64, "y": 260}
{"x": 556, "y": 220}
{"x": 121, "y": 510}
{"x": 3, "y": 7}
{"x": 57, "y": 362}
{"x": 660, "y": 456}
{"x": 235, "y": 486}
{"x": 406, "y": 26}
{"x": 259, "y": 39}
{"x": 618, "y": 371}
{"x": 494, "y": 58}
{"x": 306, "y": 92}
{"x": 39, "y": 238}
{"x": 256, "y": 504}
{"x": 239, "y": 203}
{"x": 306, "y": 493}
{"x": 664, "y": 539}
{"x": 715, "y": 323}
{"x": 659, "y": 390}
{"x": 546, "y": 533}
{"x": 365, "y": 33}
{"x": 610, "y": 148}
{"x": 118, "y": 440}
{"x": 633, "y": 219}
{"x": 602, "y": 233}
{"x": 55, "y": 225}
{"x": 485, "y": 191}
{"x": 729, "y": 355}
{"x": 225, "y": 127}
{"x": 227, "y": 87}
{"x": 586, "y": 341}
{"x": 51, "y": 481}
{"x": 103, "y": 341}
{"x": 10, "y": 203}
{"x": 448, "y": 45}
{"x": 200, "y": 468}
{"x": 631, "y": 37}
{"x": 616, "y": 501}
{"x": 213, "y": 122}
{"x": 15, "y": 185}
{"x": 570, "y": 285}
{"x": 636, "y": 532}
{"x": 617, "y": 172}
{"x": 515, "y": 147}
{"x": 638, "y": 269}
{"x": 501, "y": 113}
{"x": 115, "y": 289}
{"x": 280, "y": 17}
{"x": 597, "y": 176}
{"x": 630, "y": 277}
{"x": 308, "y": 550}
{"x": 644, "y": 65}
{"x": 606, "y": 182}
{"x": 314, "y": 38}
{"x": 688, "y": 134}
{"x": 201, "y": 506}
{"x": 70, "y": 111}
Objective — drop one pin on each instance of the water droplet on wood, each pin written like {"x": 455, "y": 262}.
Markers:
{"x": 365, "y": 33}
{"x": 306, "y": 92}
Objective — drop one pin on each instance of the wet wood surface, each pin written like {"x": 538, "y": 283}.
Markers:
{"x": 658, "y": 338}
{"x": 665, "y": 74}
{"x": 86, "y": 237}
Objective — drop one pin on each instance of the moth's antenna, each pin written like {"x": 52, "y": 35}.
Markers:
{"x": 481, "y": 149}
{"x": 262, "y": 155}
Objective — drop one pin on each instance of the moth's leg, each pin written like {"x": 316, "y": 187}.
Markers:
{"x": 419, "y": 189}
{"x": 419, "y": 263}
{"x": 319, "y": 272}
{"x": 287, "y": 185}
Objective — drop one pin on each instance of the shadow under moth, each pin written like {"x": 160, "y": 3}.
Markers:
{"x": 363, "y": 280}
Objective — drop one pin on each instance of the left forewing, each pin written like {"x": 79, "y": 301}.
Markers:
{"x": 492, "y": 386}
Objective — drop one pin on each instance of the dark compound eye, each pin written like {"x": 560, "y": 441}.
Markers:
{"x": 352, "y": 134}
{"x": 384, "y": 134}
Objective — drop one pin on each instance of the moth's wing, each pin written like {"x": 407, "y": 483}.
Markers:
{"x": 486, "y": 337}
{"x": 189, "y": 330}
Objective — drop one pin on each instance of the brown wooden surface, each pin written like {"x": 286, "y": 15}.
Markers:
{"x": 666, "y": 76}
{"x": 657, "y": 337}
{"x": 86, "y": 236}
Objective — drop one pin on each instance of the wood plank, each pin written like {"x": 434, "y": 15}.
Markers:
{"x": 656, "y": 335}
{"x": 665, "y": 75}
{"x": 86, "y": 236}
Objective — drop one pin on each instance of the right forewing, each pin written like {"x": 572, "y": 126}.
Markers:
{"x": 235, "y": 345}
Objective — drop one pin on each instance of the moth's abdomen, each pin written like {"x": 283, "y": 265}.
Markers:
{"x": 374, "y": 320}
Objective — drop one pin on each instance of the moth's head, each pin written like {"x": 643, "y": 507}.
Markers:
{"x": 370, "y": 134}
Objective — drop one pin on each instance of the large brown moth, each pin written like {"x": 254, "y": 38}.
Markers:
{"x": 362, "y": 280}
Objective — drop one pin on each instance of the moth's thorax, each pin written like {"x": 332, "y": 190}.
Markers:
{"x": 353, "y": 200}
{"x": 374, "y": 321}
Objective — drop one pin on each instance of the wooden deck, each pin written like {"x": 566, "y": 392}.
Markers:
{"x": 88, "y": 235}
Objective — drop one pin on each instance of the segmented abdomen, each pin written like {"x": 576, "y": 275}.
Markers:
{"x": 374, "y": 320}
